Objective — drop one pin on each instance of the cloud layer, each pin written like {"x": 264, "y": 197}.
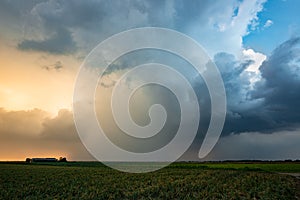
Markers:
{"x": 280, "y": 145}
{"x": 59, "y": 27}
{"x": 273, "y": 102}
{"x": 34, "y": 133}
{"x": 263, "y": 92}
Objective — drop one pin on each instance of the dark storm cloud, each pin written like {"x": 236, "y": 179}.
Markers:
{"x": 238, "y": 87}
{"x": 273, "y": 103}
{"x": 55, "y": 19}
{"x": 61, "y": 21}
{"x": 280, "y": 88}
{"x": 63, "y": 27}
{"x": 263, "y": 120}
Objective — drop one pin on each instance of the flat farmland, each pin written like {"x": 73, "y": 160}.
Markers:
{"x": 92, "y": 180}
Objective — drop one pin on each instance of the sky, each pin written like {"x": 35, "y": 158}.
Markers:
{"x": 254, "y": 43}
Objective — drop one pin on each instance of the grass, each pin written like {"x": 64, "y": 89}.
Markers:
{"x": 289, "y": 167}
{"x": 84, "y": 180}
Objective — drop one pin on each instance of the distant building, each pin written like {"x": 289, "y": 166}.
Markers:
{"x": 31, "y": 160}
{"x": 44, "y": 160}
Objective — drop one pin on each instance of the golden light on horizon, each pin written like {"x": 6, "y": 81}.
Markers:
{"x": 20, "y": 157}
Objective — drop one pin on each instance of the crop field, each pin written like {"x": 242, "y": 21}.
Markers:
{"x": 92, "y": 180}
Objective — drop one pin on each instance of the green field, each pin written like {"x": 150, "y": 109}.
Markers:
{"x": 92, "y": 180}
{"x": 289, "y": 167}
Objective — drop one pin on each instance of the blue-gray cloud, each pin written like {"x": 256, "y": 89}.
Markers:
{"x": 60, "y": 43}
{"x": 280, "y": 86}
{"x": 67, "y": 26}
{"x": 273, "y": 103}
{"x": 61, "y": 27}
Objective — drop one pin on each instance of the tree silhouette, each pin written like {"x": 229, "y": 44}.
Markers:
{"x": 62, "y": 159}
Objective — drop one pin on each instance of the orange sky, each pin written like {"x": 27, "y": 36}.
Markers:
{"x": 25, "y": 84}
{"x": 31, "y": 98}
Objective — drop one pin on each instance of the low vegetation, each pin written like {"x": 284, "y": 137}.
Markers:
{"x": 79, "y": 180}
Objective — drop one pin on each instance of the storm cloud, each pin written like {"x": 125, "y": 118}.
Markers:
{"x": 280, "y": 85}
{"x": 272, "y": 104}
{"x": 262, "y": 103}
{"x": 35, "y": 133}
{"x": 64, "y": 27}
